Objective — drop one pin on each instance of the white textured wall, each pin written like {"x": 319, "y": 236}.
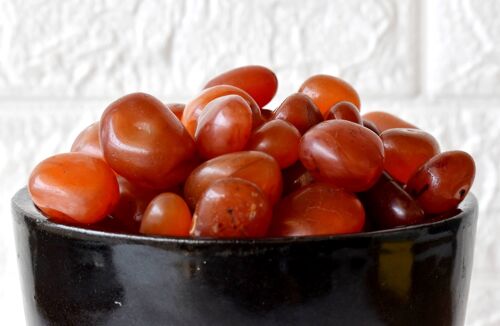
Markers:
{"x": 436, "y": 63}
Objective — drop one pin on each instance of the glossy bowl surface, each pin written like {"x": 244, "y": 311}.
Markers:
{"x": 417, "y": 275}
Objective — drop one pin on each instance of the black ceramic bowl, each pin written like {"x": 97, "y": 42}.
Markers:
{"x": 417, "y": 275}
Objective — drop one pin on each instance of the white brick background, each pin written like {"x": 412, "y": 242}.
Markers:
{"x": 436, "y": 63}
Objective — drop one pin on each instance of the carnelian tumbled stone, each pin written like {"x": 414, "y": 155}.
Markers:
{"x": 144, "y": 142}
{"x": 74, "y": 188}
{"x": 406, "y": 150}
{"x": 300, "y": 111}
{"x": 442, "y": 182}
{"x": 318, "y": 209}
{"x": 384, "y": 121}
{"x": 232, "y": 208}
{"x": 388, "y": 206}
{"x": 259, "y": 82}
{"x": 344, "y": 111}
{"x": 88, "y": 141}
{"x": 194, "y": 108}
{"x": 167, "y": 214}
{"x": 326, "y": 91}
{"x": 279, "y": 139}
{"x": 257, "y": 167}
{"x": 343, "y": 153}
{"x": 223, "y": 127}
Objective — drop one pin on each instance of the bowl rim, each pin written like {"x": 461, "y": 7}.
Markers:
{"x": 23, "y": 207}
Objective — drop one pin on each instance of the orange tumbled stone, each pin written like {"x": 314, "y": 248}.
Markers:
{"x": 74, "y": 188}
{"x": 279, "y": 139}
{"x": 384, "y": 121}
{"x": 167, "y": 214}
{"x": 258, "y": 81}
{"x": 194, "y": 108}
{"x": 223, "y": 127}
{"x": 232, "y": 208}
{"x": 326, "y": 91}
{"x": 343, "y": 153}
{"x": 318, "y": 209}
{"x": 257, "y": 167}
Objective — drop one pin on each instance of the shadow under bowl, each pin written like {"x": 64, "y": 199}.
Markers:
{"x": 417, "y": 275}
